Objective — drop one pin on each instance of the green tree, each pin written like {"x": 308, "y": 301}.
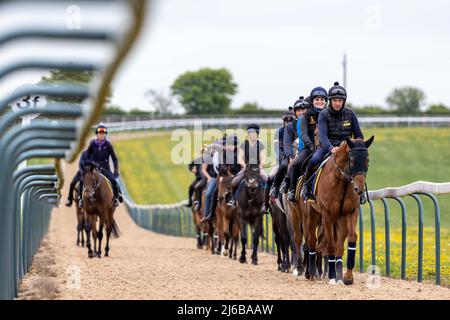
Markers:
{"x": 114, "y": 110}
{"x": 249, "y": 108}
{"x": 61, "y": 77}
{"x": 438, "y": 109}
{"x": 205, "y": 91}
{"x": 162, "y": 103}
{"x": 406, "y": 100}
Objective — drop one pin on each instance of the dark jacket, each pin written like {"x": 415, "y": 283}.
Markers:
{"x": 84, "y": 157}
{"x": 289, "y": 137}
{"x": 198, "y": 164}
{"x": 307, "y": 127}
{"x": 100, "y": 154}
{"x": 334, "y": 127}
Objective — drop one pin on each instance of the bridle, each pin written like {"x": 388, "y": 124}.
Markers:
{"x": 347, "y": 173}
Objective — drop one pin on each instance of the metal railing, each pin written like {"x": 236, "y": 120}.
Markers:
{"x": 176, "y": 220}
{"x": 27, "y": 195}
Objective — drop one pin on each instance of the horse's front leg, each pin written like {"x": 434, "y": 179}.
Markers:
{"x": 351, "y": 249}
{"x": 242, "y": 258}
{"x": 257, "y": 231}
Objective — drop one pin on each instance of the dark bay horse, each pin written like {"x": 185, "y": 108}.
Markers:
{"x": 339, "y": 188}
{"x": 249, "y": 204}
{"x": 98, "y": 204}
{"x": 281, "y": 232}
{"x": 227, "y": 225}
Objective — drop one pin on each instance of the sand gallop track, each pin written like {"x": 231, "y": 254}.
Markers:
{"x": 147, "y": 265}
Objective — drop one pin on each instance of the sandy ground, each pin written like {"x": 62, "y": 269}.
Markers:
{"x": 147, "y": 265}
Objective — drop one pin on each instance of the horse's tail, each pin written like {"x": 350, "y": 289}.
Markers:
{"x": 115, "y": 230}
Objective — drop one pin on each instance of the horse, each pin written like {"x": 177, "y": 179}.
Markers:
{"x": 226, "y": 217}
{"x": 197, "y": 216}
{"x": 98, "y": 204}
{"x": 339, "y": 188}
{"x": 281, "y": 233}
{"x": 80, "y": 219}
{"x": 249, "y": 204}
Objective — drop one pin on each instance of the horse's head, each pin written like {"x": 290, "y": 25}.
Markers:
{"x": 252, "y": 180}
{"x": 91, "y": 180}
{"x": 356, "y": 153}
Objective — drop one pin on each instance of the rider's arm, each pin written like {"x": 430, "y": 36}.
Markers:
{"x": 288, "y": 136}
{"x": 356, "y": 130}
{"x": 304, "y": 134}
{"x": 114, "y": 157}
{"x": 262, "y": 158}
{"x": 323, "y": 132}
{"x": 241, "y": 160}
{"x": 205, "y": 171}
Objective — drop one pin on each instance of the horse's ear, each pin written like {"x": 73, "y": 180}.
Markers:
{"x": 349, "y": 142}
{"x": 369, "y": 142}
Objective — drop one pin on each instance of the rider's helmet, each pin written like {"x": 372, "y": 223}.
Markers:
{"x": 101, "y": 128}
{"x": 318, "y": 92}
{"x": 254, "y": 127}
{"x": 338, "y": 91}
{"x": 298, "y": 104}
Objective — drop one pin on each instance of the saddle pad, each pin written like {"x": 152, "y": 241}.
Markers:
{"x": 108, "y": 183}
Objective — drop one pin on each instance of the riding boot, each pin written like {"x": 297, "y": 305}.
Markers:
{"x": 70, "y": 196}
{"x": 116, "y": 194}
{"x": 80, "y": 194}
{"x": 285, "y": 184}
{"x": 291, "y": 194}
{"x": 265, "y": 206}
{"x": 274, "y": 190}
{"x": 308, "y": 185}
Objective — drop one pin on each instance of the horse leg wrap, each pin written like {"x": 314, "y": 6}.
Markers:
{"x": 312, "y": 263}
{"x": 351, "y": 252}
{"x": 339, "y": 267}
{"x": 331, "y": 267}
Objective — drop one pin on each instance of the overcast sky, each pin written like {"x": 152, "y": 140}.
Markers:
{"x": 278, "y": 50}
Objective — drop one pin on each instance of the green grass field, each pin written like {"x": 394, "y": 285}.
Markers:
{"x": 398, "y": 156}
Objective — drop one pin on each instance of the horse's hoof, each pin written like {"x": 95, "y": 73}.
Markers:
{"x": 99, "y": 255}
{"x": 307, "y": 275}
{"x": 279, "y": 268}
{"x": 332, "y": 282}
{"x": 254, "y": 262}
{"x": 91, "y": 255}
{"x": 340, "y": 282}
{"x": 242, "y": 260}
{"x": 106, "y": 254}
{"x": 348, "y": 282}
{"x": 225, "y": 254}
{"x": 295, "y": 272}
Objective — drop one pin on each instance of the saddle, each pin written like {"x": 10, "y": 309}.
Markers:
{"x": 315, "y": 177}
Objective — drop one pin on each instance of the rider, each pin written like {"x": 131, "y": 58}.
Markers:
{"x": 335, "y": 123}
{"x": 307, "y": 129}
{"x": 292, "y": 133}
{"x": 194, "y": 167}
{"x": 251, "y": 152}
{"x": 202, "y": 182}
{"x": 279, "y": 151}
{"x": 76, "y": 178}
{"x": 210, "y": 169}
{"x": 99, "y": 151}
{"x": 284, "y": 155}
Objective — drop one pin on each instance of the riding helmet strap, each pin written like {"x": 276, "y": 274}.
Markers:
{"x": 247, "y": 151}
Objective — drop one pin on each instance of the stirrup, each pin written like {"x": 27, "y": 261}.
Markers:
{"x": 291, "y": 195}
{"x": 80, "y": 203}
{"x": 231, "y": 203}
{"x": 274, "y": 191}
{"x": 284, "y": 187}
{"x": 69, "y": 203}
{"x": 116, "y": 202}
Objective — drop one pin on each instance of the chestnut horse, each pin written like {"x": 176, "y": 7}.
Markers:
{"x": 339, "y": 188}
{"x": 80, "y": 219}
{"x": 98, "y": 204}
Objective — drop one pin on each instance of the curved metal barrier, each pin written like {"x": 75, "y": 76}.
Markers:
{"x": 176, "y": 220}
{"x": 27, "y": 195}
